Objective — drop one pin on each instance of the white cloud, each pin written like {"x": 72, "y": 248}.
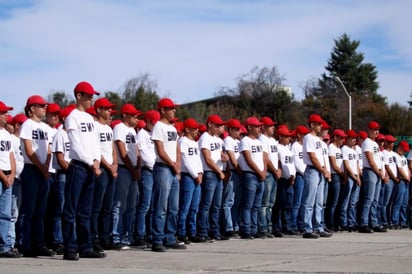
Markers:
{"x": 190, "y": 48}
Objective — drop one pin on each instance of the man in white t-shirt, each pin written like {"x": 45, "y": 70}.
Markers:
{"x": 254, "y": 168}
{"x": 213, "y": 159}
{"x": 105, "y": 184}
{"x": 147, "y": 151}
{"x": 371, "y": 184}
{"x": 314, "y": 175}
{"x": 166, "y": 172}
{"x": 7, "y": 173}
{"x": 84, "y": 166}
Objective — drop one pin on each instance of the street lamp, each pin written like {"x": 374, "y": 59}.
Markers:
{"x": 350, "y": 100}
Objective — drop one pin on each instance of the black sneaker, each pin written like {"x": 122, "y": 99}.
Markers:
{"x": 91, "y": 254}
{"x": 325, "y": 234}
{"x": 221, "y": 238}
{"x": 120, "y": 246}
{"x": 11, "y": 254}
{"x": 309, "y": 235}
{"x": 158, "y": 248}
{"x": 176, "y": 245}
{"x": 70, "y": 256}
{"x": 260, "y": 235}
{"x": 269, "y": 235}
{"x": 379, "y": 229}
{"x": 246, "y": 236}
{"x": 140, "y": 243}
{"x": 45, "y": 252}
{"x": 277, "y": 234}
{"x": 58, "y": 248}
{"x": 183, "y": 239}
{"x": 364, "y": 229}
{"x": 291, "y": 233}
{"x": 97, "y": 247}
{"x": 197, "y": 239}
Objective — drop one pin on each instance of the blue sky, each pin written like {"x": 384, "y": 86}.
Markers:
{"x": 192, "y": 48}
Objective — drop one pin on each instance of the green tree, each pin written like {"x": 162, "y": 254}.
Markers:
{"x": 60, "y": 97}
{"x": 141, "y": 91}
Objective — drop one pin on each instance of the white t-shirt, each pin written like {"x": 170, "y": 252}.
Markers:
{"x": 402, "y": 162}
{"x": 359, "y": 152}
{"x": 61, "y": 144}
{"x": 126, "y": 135}
{"x": 105, "y": 133}
{"x": 371, "y": 146}
{"x": 389, "y": 159}
{"x": 286, "y": 160}
{"x": 270, "y": 146}
{"x": 312, "y": 143}
{"x": 232, "y": 145}
{"x": 51, "y": 134}
{"x": 349, "y": 154}
{"x": 325, "y": 154}
{"x": 297, "y": 151}
{"x": 167, "y": 134}
{"x": 147, "y": 148}
{"x": 337, "y": 153}
{"x": 18, "y": 155}
{"x": 6, "y": 148}
{"x": 83, "y": 137}
{"x": 254, "y": 146}
{"x": 191, "y": 162}
{"x": 215, "y": 145}
{"x": 37, "y": 133}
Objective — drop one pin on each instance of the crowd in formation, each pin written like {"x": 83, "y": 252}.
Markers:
{"x": 75, "y": 182}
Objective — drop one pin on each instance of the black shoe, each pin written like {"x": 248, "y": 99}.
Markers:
{"x": 91, "y": 254}
{"x": 197, "y": 239}
{"x": 379, "y": 229}
{"x": 364, "y": 229}
{"x": 184, "y": 240}
{"x": 70, "y": 256}
{"x": 158, "y": 248}
{"x": 325, "y": 234}
{"x": 45, "y": 252}
{"x": 277, "y": 234}
{"x": 221, "y": 238}
{"x": 309, "y": 235}
{"x": 246, "y": 236}
{"x": 11, "y": 254}
{"x": 269, "y": 235}
{"x": 330, "y": 230}
{"x": 177, "y": 245}
{"x": 140, "y": 243}
{"x": 228, "y": 233}
{"x": 58, "y": 248}
{"x": 120, "y": 246}
{"x": 343, "y": 228}
{"x": 260, "y": 235}
{"x": 291, "y": 232}
{"x": 98, "y": 247}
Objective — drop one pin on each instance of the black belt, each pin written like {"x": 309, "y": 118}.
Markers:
{"x": 162, "y": 164}
{"x": 251, "y": 172}
{"x": 146, "y": 168}
{"x": 6, "y": 172}
{"x": 186, "y": 174}
{"x": 80, "y": 163}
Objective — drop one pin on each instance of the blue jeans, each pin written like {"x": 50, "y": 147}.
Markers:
{"x": 332, "y": 201}
{"x": 312, "y": 200}
{"x": 268, "y": 201}
{"x": 77, "y": 208}
{"x": 34, "y": 191}
{"x": 287, "y": 194}
{"x": 346, "y": 192}
{"x": 143, "y": 209}
{"x": 124, "y": 206}
{"x": 297, "y": 218}
{"x": 237, "y": 191}
{"x": 227, "y": 202}
{"x": 103, "y": 196}
{"x": 403, "y": 216}
{"x": 209, "y": 207}
{"x": 15, "y": 209}
{"x": 55, "y": 207}
{"x": 383, "y": 204}
{"x": 189, "y": 200}
{"x": 5, "y": 217}
{"x": 165, "y": 205}
{"x": 371, "y": 185}
{"x": 252, "y": 201}
{"x": 398, "y": 194}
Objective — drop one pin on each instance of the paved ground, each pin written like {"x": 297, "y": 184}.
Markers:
{"x": 345, "y": 252}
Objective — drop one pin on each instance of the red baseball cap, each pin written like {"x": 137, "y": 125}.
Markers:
{"x": 362, "y": 134}
{"x": 130, "y": 109}
{"x": 253, "y": 121}
{"x": 115, "y": 123}
{"x": 373, "y": 125}
{"x": 85, "y": 87}
{"x": 4, "y": 108}
{"x": 267, "y": 121}
{"x": 215, "y": 119}
{"x": 202, "y": 128}
{"x": 301, "y": 129}
{"x": 141, "y": 124}
{"x": 314, "y": 118}
{"x": 36, "y": 100}
{"x": 340, "y": 133}
{"x": 284, "y": 131}
{"x": 103, "y": 103}
{"x": 53, "y": 108}
{"x": 380, "y": 137}
{"x": 19, "y": 119}
{"x": 404, "y": 145}
{"x": 91, "y": 111}
{"x": 152, "y": 115}
{"x": 234, "y": 123}
{"x": 390, "y": 139}
{"x": 9, "y": 119}
{"x": 166, "y": 103}
{"x": 191, "y": 123}
{"x": 351, "y": 133}
{"x": 66, "y": 111}
{"x": 243, "y": 130}
{"x": 326, "y": 137}
{"x": 179, "y": 126}
{"x": 325, "y": 125}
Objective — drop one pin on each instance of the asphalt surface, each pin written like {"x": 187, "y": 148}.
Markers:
{"x": 389, "y": 252}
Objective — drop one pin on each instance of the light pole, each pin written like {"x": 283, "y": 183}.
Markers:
{"x": 350, "y": 100}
